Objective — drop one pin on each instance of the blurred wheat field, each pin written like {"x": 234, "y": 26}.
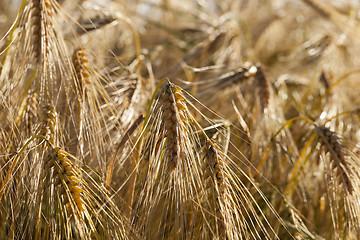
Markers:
{"x": 167, "y": 119}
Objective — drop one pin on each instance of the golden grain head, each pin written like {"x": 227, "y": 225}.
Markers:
{"x": 173, "y": 118}
{"x": 211, "y": 159}
{"x": 330, "y": 143}
{"x": 70, "y": 180}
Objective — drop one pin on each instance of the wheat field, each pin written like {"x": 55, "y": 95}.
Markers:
{"x": 152, "y": 119}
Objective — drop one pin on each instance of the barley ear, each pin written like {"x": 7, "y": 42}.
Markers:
{"x": 330, "y": 142}
{"x": 80, "y": 63}
{"x": 173, "y": 106}
{"x": 215, "y": 173}
{"x": 70, "y": 176}
{"x": 40, "y": 21}
{"x": 50, "y": 124}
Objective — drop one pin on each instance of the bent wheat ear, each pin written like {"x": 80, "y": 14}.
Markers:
{"x": 173, "y": 122}
{"x": 70, "y": 178}
{"x": 80, "y": 207}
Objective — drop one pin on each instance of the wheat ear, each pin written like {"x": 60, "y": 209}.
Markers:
{"x": 41, "y": 15}
{"x": 173, "y": 122}
{"x": 329, "y": 141}
{"x": 263, "y": 86}
{"x": 80, "y": 62}
{"x": 50, "y": 123}
{"x": 32, "y": 110}
{"x": 219, "y": 181}
{"x": 69, "y": 176}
